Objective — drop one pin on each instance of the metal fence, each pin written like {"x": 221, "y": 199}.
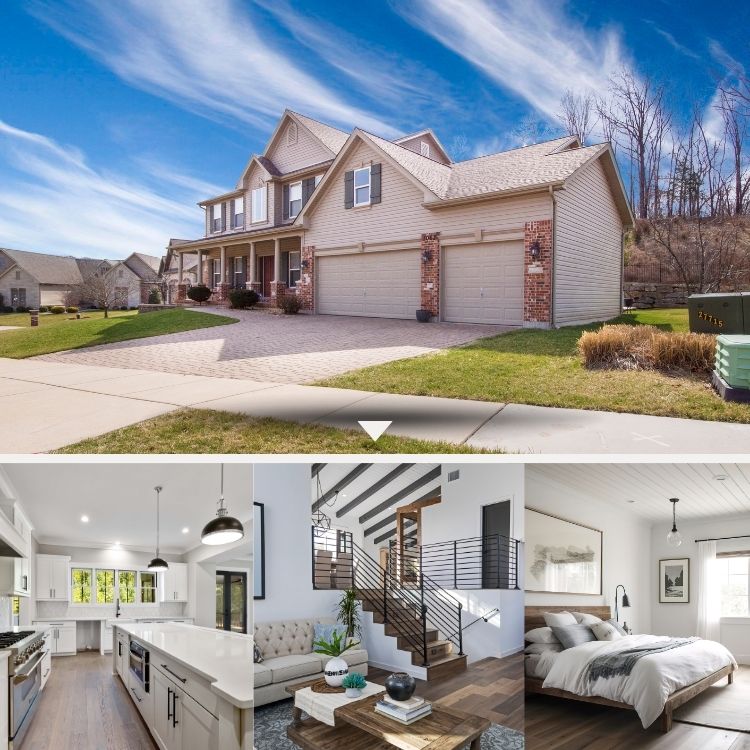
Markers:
{"x": 657, "y": 272}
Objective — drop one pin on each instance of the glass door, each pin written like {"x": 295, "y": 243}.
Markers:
{"x": 231, "y": 601}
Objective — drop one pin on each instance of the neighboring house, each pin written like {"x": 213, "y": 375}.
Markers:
{"x": 358, "y": 225}
{"x": 32, "y": 279}
{"x": 169, "y": 272}
{"x": 136, "y": 276}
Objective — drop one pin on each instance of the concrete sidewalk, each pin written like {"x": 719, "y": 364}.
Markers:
{"x": 48, "y": 405}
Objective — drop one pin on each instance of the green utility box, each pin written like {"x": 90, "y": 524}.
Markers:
{"x": 733, "y": 360}
{"x": 720, "y": 313}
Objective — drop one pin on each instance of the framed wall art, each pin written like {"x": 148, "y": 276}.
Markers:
{"x": 674, "y": 581}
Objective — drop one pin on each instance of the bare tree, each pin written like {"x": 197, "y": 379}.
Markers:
{"x": 105, "y": 290}
{"x": 530, "y": 131}
{"x": 736, "y": 113}
{"x": 459, "y": 148}
{"x": 578, "y": 115}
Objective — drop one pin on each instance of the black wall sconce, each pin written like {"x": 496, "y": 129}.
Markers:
{"x": 426, "y": 256}
{"x": 536, "y": 249}
{"x": 305, "y": 264}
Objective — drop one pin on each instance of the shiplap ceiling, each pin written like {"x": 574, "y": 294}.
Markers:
{"x": 366, "y": 498}
{"x": 645, "y": 489}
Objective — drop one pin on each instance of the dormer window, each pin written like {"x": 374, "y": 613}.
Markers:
{"x": 362, "y": 186}
{"x": 295, "y": 199}
{"x": 216, "y": 217}
{"x": 238, "y": 215}
{"x": 291, "y": 134}
{"x": 424, "y": 149}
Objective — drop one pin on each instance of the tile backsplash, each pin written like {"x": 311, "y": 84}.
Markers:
{"x": 54, "y": 610}
{"x": 6, "y": 613}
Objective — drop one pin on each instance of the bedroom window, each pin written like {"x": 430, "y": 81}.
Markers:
{"x": 733, "y": 570}
{"x": 362, "y": 186}
{"x": 238, "y": 219}
{"x": 295, "y": 199}
{"x": 216, "y": 217}
{"x": 259, "y": 204}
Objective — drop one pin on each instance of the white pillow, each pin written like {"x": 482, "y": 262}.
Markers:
{"x": 583, "y": 618}
{"x": 540, "y": 648}
{"x": 541, "y": 635}
{"x": 605, "y": 631}
{"x": 559, "y": 619}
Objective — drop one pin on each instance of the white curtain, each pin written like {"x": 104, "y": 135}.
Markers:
{"x": 709, "y": 606}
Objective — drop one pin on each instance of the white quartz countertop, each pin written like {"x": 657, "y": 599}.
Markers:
{"x": 110, "y": 618}
{"x": 224, "y": 659}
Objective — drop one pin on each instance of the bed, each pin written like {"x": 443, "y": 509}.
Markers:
{"x": 550, "y": 667}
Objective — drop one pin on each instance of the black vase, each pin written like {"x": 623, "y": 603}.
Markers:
{"x": 400, "y": 686}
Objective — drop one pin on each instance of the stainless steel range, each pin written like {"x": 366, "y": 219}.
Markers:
{"x": 24, "y": 676}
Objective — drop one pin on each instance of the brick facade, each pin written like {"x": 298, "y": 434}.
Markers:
{"x": 256, "y": 286}
{"x": 221, "y": 294}
{"x": 537, "y": 275}
{"x": 182, "y": 293}
{"x": 306, "y": 284}
{"x": 278, "y": 290}
{"x": 430, "y": 273}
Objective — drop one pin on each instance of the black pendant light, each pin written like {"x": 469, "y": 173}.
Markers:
{"x": 157, "y": 563}
{"x": 674, "y": 537}
{"x": 223, "y": 529}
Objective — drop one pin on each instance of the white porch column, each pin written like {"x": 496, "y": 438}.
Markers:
{"x": 251, "y": 271}
{"x": 200, "y": 266}
{"x": 277, "y": 259}
{"x": 180, "y": 274}
{"x": 223, "y": 264}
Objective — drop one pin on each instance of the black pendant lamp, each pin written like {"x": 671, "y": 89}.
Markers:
{"x": 223, "y": 529}
{"x": 674, "y": 537}
{"x": 157, "y": 563}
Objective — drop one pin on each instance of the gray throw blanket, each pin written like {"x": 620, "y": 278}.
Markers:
{"x": 622, "y": 663}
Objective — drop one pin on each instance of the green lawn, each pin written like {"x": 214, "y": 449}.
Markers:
{"x": 543, "y": 368}
{"x": 59, "y": 332}
{"x": 203, "y": 431}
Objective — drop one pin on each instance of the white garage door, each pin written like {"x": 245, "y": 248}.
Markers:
{"x": 379, "y": 285}
{"x": 484, "y": 283}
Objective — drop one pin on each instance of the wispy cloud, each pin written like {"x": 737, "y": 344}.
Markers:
{"x": 52, "y": 200}
{"x": 529, "y": 48}
{"x": 212, "y": 58}
{"x": 672, "y": 40}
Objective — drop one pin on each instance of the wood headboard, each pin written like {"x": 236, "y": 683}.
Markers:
{"x": 534, "y": 616}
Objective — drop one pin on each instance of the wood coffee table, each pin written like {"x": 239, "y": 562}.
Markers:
{"x": 359, "y": 727}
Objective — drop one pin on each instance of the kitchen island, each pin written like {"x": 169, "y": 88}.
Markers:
{"x": 192, "y": 685}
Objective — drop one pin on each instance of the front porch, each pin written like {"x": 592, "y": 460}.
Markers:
{"x": 271, "y": 266}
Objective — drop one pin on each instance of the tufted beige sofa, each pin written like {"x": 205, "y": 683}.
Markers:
{"x": 288, "y": 657}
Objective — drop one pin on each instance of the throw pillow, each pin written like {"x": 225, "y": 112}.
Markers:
{"x": 323, "y": 631}
{"x": 605, "y": 631}
{"x": 573, "y": 635}
{"x": 257, "y": 655}
{"x": 540, "y": 648}
{"x": 584, "y": 618}
{"x": 541, "y": 635}
{"x": 559, "y": 618}
{"x": 616, "y": 625}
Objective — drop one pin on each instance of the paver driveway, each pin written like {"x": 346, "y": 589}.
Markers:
{"x": 279, "y": 348}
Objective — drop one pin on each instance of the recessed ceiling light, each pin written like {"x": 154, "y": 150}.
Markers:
{"x": 185, "y": 530}
{"x": 632, "y": 501}
{"x": 721, "y": 477}
{"x": 84, "y": 519}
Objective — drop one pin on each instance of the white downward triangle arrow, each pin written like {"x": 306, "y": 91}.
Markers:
{"x": 373, "y": 428}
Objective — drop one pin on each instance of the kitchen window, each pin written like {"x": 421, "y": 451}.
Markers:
{"x": 295, "y": 199}
{"x": 733, "y": 571}
{"x": 238, "y": 219}
{"x": 126, "y": 587}
{"x": 80, "y": 585}
{"x": 105, "y": 586}
{"x": 259, "y": 209}
{"x": 362, "y": 186}
{"x": 216, "y": 217}
{"x": 147, "y": 587}
{"x": 294, "y": 268}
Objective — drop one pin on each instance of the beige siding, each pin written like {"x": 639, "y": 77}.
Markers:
{"x": 307, "y": 151}
{"x": 255, "y": 178}
{"x": 414, "y": 144}
{"x": 587, "y": 263}
{"x": 9, "y": 281}
{"x": 400, "y": 216}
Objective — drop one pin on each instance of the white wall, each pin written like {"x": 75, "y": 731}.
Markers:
{"x": 625, "y": 541}
{"x": 285, "y": 491}
{"x": 682, "y": 619}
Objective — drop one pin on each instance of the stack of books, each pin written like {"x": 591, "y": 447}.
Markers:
{"x": 407, "y": 712}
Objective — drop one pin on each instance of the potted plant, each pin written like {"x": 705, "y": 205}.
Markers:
{"x": 354, "y": 684}
{"x": 348, "y": 613}
{"x": 423, "y": 316}
{"x": 336, "y": 668}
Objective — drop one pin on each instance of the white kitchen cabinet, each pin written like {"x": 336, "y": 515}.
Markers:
{"x": 174, "y": 583}
{"x": 62, "y": 636}
{"x": 52, "y": 578}
{"x": 165, "y": 728}
{"x": 121, "y": 657}
{"x": 47, "y": 659}
{"x": 14, "y": 576}
{"x": 143, "y": 700}
{"x": 200, "y": 729}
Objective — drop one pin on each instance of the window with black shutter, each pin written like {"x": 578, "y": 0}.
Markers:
{"x": 375, "y": 183}
{"x": 349, "y": 189}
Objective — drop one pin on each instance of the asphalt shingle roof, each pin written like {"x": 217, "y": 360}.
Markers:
{"x": 47, "y": 269}
{"x": 332, "y": 138}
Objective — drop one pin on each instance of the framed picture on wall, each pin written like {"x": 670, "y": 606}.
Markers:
{"x": 674, "y": 581}
{"x": 562, "y": 556}
{"x": 259, "y": 551}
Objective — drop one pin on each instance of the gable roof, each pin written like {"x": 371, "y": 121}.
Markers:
{"x": 426, "y": 131}
{"x": 332, "y": 138}
{"x": 45, "y": 268}
{"x": 145, "y": 267}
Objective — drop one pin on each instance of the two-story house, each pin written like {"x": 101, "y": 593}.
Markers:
{"x": 358, "y": 225}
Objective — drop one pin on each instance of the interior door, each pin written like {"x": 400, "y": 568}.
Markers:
{"x": 231, "y": 601}
{"x": 495, "y": 541}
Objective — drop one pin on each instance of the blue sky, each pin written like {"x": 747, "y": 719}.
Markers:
{"x": 116, "y": 118}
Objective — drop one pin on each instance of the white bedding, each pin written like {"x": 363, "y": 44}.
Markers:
{"x": 652, "y": 680}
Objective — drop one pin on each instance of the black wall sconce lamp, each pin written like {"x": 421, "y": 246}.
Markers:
{"x": 305, "y": 264}
{"x": 426, "y": 256}
{"x": 536, "y": 249}
{"x": 625, "y": 601}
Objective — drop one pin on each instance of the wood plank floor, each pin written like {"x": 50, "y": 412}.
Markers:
{"x": 491, "y": 688}
{"x": 558, "y": 724}
{"x": 85, "y": 707}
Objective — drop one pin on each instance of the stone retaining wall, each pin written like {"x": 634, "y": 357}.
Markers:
{"x": 656, "y": 295}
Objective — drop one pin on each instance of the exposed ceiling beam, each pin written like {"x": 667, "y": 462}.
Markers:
{"x": 385, "y": 522}
{"x": 387, "y": 535}
{"x": 398, "y": 471}
{"x": 348, "y": 479}
{"x": 430, "y": 476}
{"x": 316, "y": 469}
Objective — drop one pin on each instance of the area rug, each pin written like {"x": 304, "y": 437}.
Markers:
{"x": 722, "y": 706}
{"x": 272, "y": 720}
